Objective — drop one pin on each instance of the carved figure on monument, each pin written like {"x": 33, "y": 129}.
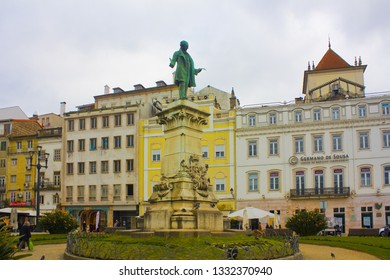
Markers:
{"x": 198, "y": 175}
{"x": 164, "y": 187}
{"x": 185, "y": 70}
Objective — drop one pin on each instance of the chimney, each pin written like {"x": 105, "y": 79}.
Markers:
{"x": 106, "y": 89}
{"x": 62, "y": 108}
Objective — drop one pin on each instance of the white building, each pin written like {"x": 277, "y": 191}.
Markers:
{"x": 328, "y": 152}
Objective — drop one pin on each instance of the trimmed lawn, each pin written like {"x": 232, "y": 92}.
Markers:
{"x": 42, "y": 239}
{"x": 119, "y": 247}
{"x": 377, "y": 246}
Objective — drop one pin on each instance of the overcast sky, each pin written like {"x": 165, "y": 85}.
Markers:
{"x": 68, "y": 50}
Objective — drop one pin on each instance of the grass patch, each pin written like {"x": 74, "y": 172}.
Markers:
{"x": 376, "y": 246}
{"x": 119, "y": 247}
{"x": 42, "y": 239}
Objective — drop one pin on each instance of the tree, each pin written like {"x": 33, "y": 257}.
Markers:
{"x": 307, "y": 223}
{"x": 58, "y": 221}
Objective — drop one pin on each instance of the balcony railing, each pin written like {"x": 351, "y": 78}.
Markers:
{"x": 2, "y": 189}
{"x": 320, "y": 193}
{"x": 50, "y": 132}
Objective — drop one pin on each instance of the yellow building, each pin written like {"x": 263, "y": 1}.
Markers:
{"x": 218, "y": 144}
{"x": 20, "y": 178}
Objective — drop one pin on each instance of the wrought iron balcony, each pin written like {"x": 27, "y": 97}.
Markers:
{"x": 320, "y": 193}
{"x": 48, "y": 186}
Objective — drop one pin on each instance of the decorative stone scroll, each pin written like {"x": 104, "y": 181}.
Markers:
{"x": 182, "y": 118}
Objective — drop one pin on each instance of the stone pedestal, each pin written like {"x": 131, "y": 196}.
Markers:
{"x": 184, "y": 199}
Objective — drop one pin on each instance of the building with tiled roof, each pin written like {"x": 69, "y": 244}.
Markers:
{"x": 333, "y": 79}
{"x": 18, "y": 138}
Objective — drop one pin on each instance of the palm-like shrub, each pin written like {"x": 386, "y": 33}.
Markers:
{"x": 307, "y": 223}
{"x": 8, "y": 243}
{"x": 58, "y": 221}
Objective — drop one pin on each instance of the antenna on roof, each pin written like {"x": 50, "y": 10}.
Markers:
{"x": 329, "y": 41}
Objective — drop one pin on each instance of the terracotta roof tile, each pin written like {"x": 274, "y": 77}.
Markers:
{"x": 331, "y": 60}
{"x": 24, "y": 128}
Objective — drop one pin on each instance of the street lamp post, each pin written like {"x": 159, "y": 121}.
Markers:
{"x": 41, "y": 157}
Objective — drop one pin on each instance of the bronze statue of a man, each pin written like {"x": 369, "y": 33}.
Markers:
{"x": 185, "y": 70}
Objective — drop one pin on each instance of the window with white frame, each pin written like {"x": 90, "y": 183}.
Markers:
{"x": 92, "y": 144}
{"x": 272, "y": 118}
{"x": 118, "y": 120}
{"x": 130, "y": 165}
{"x": 299, "y": 145}
{"x": 385, "y": 109}
{"x": 29, "y": 145}
{"x": 69, "y": 146}
{"x": 300, "y": 182}
{"x": 81, "y": 124}
{"x": 57, "y": 178}
{"x": 317, "y": 114}
{"x": 220, "y": 185}
{"x": 104, "y": 192}
{"x": 130, "y": 119}
{"x": 319, "y": 181}
{"x": 105, "y": 121}
{"x": 81, "y": 168}
{"x": 70, "y": 125}
{"x": 318, "y": 143}
{"x": 156, "y": 155}
{"x": 335, "y": 113}
{"x": 117, "y": 192}
{"x": 117, "y": 166}
{"x": 253, "y": 182}
{"x": 2, "y": 181}
{"x": 93, "y": 122}
{"x": 130, "y": 140}
{"x": 386, "y": 175}
{"x": 69, "y": 193}
{"x": 219, "y": 151}
{"x": 69, "y": 168}
{"x": 273, "y": 147}
{"x": 92, "y": 167}
{"x": 80, "y": 193}
{"x": 364, "y": 140}
{"x": 27, "y": 195}
{"x": 274, "y": 181}
{"x": 252, "y": 120}
{"x": 362, "y": 111}
{"x": 92, "y": 192}
{"x": 57, "y": 155}
{"x": 81, "y": 145}
{"x": 298, "y": 116}
{"x": 337, "y": 142}
{"x": 365, "y": 177}
{"x": 117, "y": 142}
{"x": 386, "y": 138}
{"x": 12, "y": 196}
{"x": 105, "y": 143}
{"x": 338, "y": 180}
{"x": 252, "y": 148}
{"x": 104, "y": 166}
{"x": 205, "y": 151}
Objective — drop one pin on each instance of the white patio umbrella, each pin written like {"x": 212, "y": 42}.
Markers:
{"x": 14, "y": 219}
{"x": 252, "y": 213}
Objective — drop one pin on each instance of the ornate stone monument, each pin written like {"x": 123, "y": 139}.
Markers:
{"x": 184, "y": 199}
